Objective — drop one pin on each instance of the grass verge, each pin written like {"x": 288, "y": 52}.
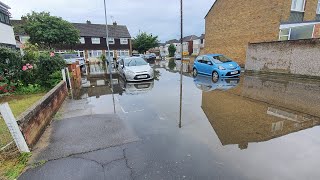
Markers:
{"x": 12, "y": 166}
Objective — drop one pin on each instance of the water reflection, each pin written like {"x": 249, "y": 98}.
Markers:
{"x": 262, "y": 109}
{"x": 134, "y": 88}
{"x": 206, "y": 84}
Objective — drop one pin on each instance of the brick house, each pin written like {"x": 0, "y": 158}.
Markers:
{"x": 92, "y": 39}
{"x": 230, "y": 25}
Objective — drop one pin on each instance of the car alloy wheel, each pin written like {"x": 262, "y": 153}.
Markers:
{"x": 195, "y": 72}
{"x": 215, "y": 76}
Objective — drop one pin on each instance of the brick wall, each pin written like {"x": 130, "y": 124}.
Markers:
{"x": 34, "y": 121}
{"x": 299, "y": 57}
{"x": 231, "y": 24}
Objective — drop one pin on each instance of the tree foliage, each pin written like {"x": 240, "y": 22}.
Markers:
{"x": 143, "y": 42}
{"x": 172, "y": 49}
{"x": 50, "y": 31}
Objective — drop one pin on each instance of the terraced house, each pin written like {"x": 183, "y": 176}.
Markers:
{"x": 93, "y": 42}
{"x": 231, "y": 25}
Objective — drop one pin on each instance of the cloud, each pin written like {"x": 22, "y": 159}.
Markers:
{"x": 159, "y": 17}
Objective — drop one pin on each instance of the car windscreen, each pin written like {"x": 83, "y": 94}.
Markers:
{"x": 69, "y": 56}
{"x": 134, "y": 62}
{"x": 221, "y": 59}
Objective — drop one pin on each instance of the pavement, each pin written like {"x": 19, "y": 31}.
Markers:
{"x": 258, "y": 127}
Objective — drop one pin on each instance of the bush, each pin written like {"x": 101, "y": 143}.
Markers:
{"x": 10, "y": 69}
{"x": 30, "y": 89}
{"x": 47, "y": 66}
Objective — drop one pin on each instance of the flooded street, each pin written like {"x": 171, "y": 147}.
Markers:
{"x": 259, "y": 127}
{"x": 255, "y": 127}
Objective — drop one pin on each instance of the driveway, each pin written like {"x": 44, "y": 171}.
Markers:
{"x": 258, "y": 127}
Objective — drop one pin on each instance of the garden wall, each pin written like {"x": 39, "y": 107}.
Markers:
{"x": 34, "y": 121}
{"x": 299, "y": 57}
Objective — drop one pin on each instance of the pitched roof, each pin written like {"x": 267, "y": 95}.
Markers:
{"x": 190, "y": 38}
{"x": 211, "y": 8}
{"x": 99, "y": 30}
{"x": 4, "y": 8}
{"x": 91, "y": 30}
{"x": 172, "y": 41}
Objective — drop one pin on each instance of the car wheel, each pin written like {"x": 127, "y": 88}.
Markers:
{"x": 195, "y": 72}
{"x": 215, "y": 76}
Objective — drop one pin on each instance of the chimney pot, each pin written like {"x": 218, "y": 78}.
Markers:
{"x": 88, "y": 22}
{"x": 115, "y": 23}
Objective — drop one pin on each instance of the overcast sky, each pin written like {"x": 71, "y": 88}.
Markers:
{"x": 159, "y": 17}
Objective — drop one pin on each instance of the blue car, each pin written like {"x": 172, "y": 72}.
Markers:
{"x": 216, "y": 65}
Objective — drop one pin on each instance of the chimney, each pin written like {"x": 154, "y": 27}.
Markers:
{"x": 115, "y": 23}
{"x": 88, "y": 22}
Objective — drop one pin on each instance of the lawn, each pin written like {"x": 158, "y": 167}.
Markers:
{"x": 12, "y": 167}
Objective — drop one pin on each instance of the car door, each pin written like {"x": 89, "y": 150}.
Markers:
{"x": 199, "y": 64}
{"x": 120, "y": 66}
{"x": 207, "y": 65}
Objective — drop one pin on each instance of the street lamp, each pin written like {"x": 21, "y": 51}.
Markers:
{"x": 108, "y": 50}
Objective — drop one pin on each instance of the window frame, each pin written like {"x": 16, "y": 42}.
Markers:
{"x": 303, "y": 7}
{"x": 82, "y": 42}
{"x": 124, "y": 39}
{"x": 318, "y": 8}
{"x": 96, "y": 38}
{"x": 110, "y": 38}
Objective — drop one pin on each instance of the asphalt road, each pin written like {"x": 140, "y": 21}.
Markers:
{"x": 258, "y": 127}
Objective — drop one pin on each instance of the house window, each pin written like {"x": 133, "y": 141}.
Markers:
{"x": 95, "y": 53}
{"x": 297, "y": 32}
{"x": 80, "y": 53}
{"x": 111, "y": 40}
{"x": 82, "y": 40}
{"x": 284, "y": 34}
{"x": 298, "y": 5}
{"x": 123, "y": 52}
{"x": 318, "y": 8}
{"x": 123, "y": 41}
{"x": 95, "y": 40}
{"x": 4, "y": 18}
{"x": 111, "y": 54}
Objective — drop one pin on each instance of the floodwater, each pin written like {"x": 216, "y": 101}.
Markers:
{"x": 255, "y": 127}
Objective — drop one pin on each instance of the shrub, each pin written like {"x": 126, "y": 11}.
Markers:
{"x": 47, "y": 66}
{"x": 30, "y": 89}
{"x": 54, "y": 79}
{"x": 10, "y": 65}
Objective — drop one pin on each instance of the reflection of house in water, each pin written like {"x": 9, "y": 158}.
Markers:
{"x": 174, "y": 66}
{"x": 261, "y": 110}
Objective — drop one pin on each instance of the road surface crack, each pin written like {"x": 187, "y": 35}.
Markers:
{"x": 127, "y": 163}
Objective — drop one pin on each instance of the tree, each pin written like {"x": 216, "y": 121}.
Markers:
{"x": 172, "y": 49}
{"x": 143, "y": 42}
{"x": 50, "y": 31}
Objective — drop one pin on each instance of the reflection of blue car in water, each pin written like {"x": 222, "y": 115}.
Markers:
{"x": 206, "y": 84}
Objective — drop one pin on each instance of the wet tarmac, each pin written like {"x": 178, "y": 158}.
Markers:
{"x": 255, "y": 127}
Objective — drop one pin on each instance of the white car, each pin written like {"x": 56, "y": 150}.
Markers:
{"x": 73, "y": 58}
{"x": 135, "y": 69}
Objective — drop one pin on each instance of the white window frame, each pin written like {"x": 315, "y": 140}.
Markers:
{"x": 318, "y": 7}
{"x": 79, "y": 53}
{"x": 111, "y": 54}
{"x": 82, "y": 40}
{"x": 124, "y": 41}
{"x": 95, "y": 40}
{"x": 293, "y": 26}
{"x": 121, "y": 52}
{"x": 94, "y": 53}
{"x": 284, "y": 35}
{"x": 298, "y": 10}
{"x": 111, "y": 41}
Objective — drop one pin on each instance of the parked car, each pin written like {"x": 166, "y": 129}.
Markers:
{"x": 206, "y": 84}
{"x": 137, "y": 55}
{"x": 119, "y": 59}
{"x": 135, "y": 69}
{"x": 72, "y": 58}
{"x": 149, "y": 57}
{"x": 216, "y": 65}
{"x": 177, "y": 57}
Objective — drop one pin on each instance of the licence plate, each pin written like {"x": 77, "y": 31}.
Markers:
{"x": 142, "y": 76}
{"x": 234, "y": 72}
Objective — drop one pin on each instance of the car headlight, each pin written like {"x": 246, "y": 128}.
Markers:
{"x": 221, "y": 68}
{"x": 129, "y": 72}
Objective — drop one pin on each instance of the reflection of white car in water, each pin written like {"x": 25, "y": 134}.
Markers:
{"x": 206, "y": 84}
{"x": 136, "y": 87}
